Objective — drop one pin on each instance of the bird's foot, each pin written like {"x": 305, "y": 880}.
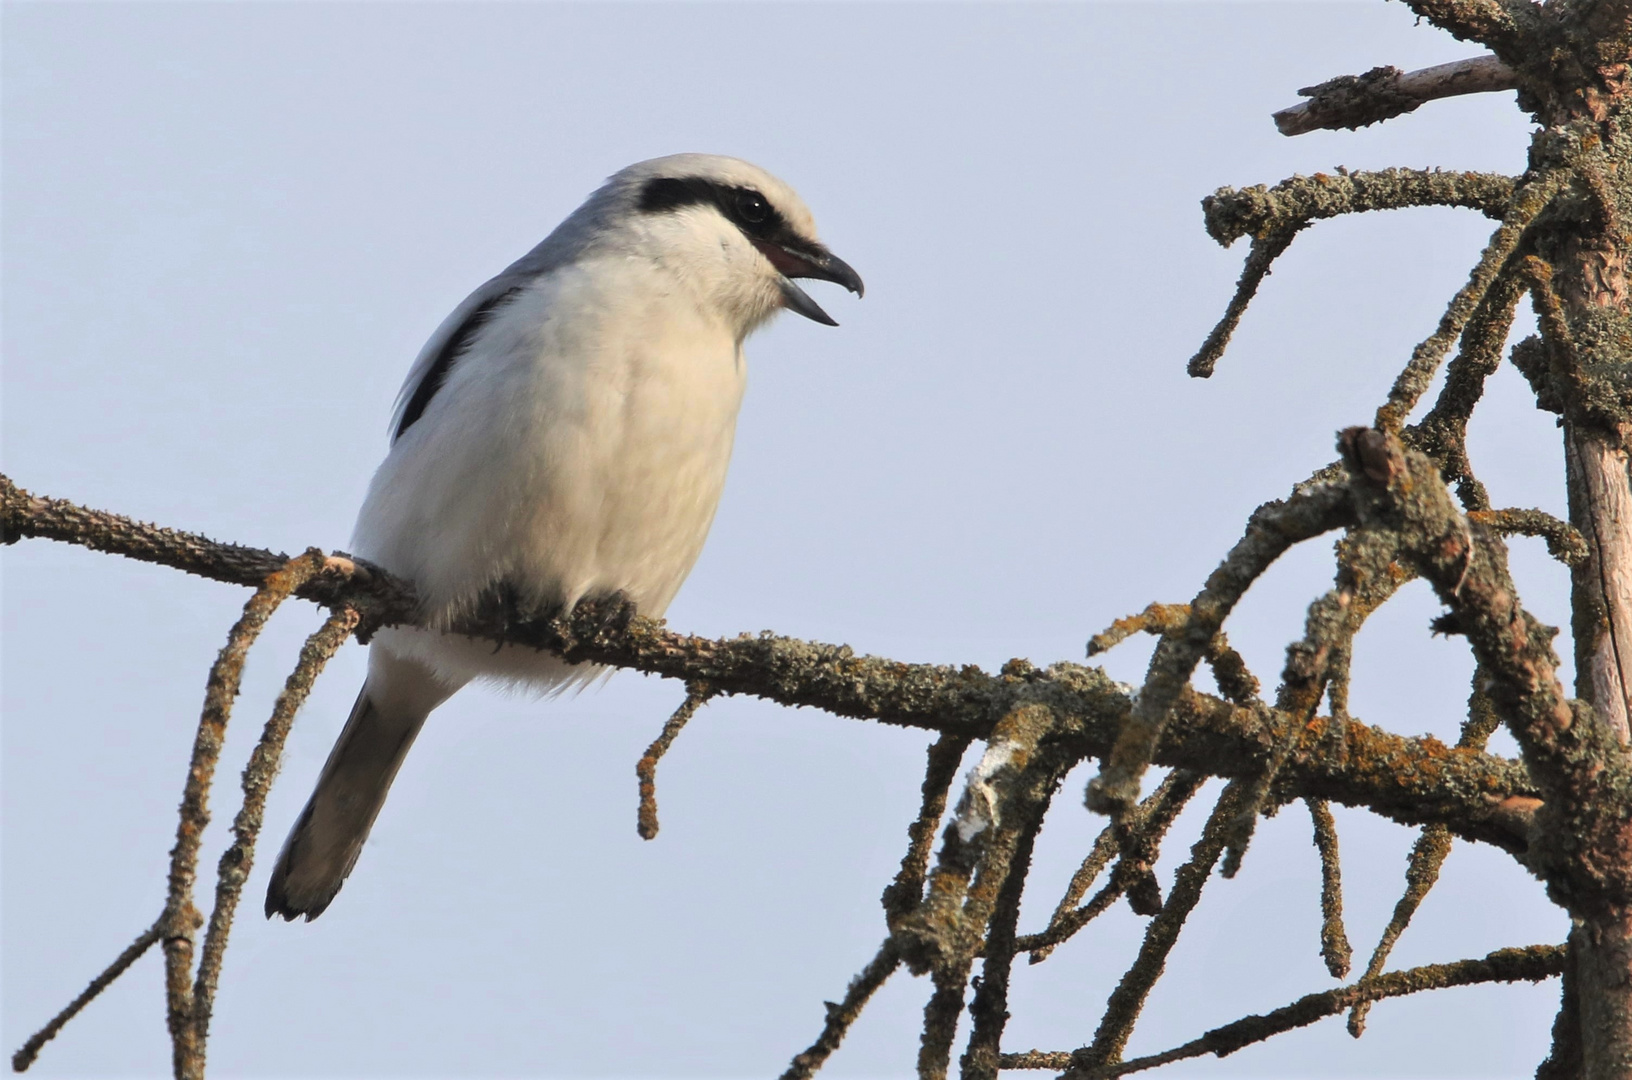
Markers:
{"x": 595, "y": 618}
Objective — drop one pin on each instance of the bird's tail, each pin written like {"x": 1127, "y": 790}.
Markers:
{"x": 326, "y": 840}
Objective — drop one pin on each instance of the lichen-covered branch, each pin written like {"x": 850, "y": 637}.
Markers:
{"x": 1128, "y": 999}
{"x": 1231, "y": 213}
{"x": 1507, "y": 27}
{"x": 1274, "y": 216}
{"x": 181, "y": 918}
{"x": 1533, "y": 964}
{"x": 1527, "y": 204}
{"x": 1335, "y": 950}
{"x": 264, "y": 762}
{"x": 1409, "y": 780}
{"x": 1272, "y": 529}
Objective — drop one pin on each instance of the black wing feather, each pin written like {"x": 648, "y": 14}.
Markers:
{"x": 457, "y": 343}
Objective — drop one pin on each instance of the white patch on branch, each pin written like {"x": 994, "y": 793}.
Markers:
{"x": 977, "y": 810}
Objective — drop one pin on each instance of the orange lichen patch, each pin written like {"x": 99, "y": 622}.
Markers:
{"x": 1155, "y": 619}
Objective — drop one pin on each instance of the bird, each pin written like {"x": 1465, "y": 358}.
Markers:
{"x": 563, "y": 436}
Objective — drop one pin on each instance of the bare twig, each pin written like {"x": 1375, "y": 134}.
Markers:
{"x": 1128, "y": 999}
{"x": 646, "y": 768}
{"x": 1334, "y": 943}
{"x": 1356, "y": 101}
{"x": 180, "y": 918}
{"x": 842, "y": 1014}
{"x": 264, "y": 762}
{"x": 24, "y": 1057}
{"x": 1265, "y": 249}
{"x": 906, "y": 892}
{"x": 1147, "y": 825}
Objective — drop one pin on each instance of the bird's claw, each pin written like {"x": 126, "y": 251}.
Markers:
{"x": 594, "y": 618}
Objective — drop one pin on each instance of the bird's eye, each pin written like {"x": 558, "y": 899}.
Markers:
{"x": 752, "y": 207}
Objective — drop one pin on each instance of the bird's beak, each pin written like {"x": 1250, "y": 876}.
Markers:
{"x": 805, "y": 260}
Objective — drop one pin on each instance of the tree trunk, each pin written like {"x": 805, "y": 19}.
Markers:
{"x": 1589, "y": 248}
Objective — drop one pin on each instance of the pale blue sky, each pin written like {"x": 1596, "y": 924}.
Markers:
{"x": 227, "y": 230}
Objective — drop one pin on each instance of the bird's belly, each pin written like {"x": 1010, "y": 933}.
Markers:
{"x": 576, "y": 484}
{"x": 632, "y": 503}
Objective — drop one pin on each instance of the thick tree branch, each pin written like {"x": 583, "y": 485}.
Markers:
{"x": 1414, "y": 781}
{"x": 1231, "y": 213}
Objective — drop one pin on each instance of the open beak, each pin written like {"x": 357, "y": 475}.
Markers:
{"x": 806, "y": 260}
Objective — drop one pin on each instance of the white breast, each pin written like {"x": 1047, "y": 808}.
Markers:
{"x": 579, "y": 447}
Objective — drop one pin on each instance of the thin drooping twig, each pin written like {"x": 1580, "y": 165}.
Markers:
{"x": 1529, "y": 200}
{"x": 1367, "y": 575}
{"x": 1356, "y": 101}
{"x": 1148, "y": 824}
{"x": 1334, "y": 942}
{"x": 30, "y": 1050}
{"x": 906, "y": 892}
{"x": 264, "y": 762}
{"x": 1533, "y": 964}
{"x": 1428, "y": 853}
{"x": 1422, "y": 871}
{"x": 842, "y": 1014}
{"x": 646, "y": 768}
{"x": 1098, "y": 858}
{"x": 1127, "y": 1001}
{"x": 1261, "y": 256}
{"x": 902, "y": 896}
{"x": 181, "y": 918}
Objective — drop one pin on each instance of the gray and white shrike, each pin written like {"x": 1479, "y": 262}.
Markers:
{"x": 563, "y": 435}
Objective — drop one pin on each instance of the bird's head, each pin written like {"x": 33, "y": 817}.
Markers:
{"x": 732, "y": 231}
